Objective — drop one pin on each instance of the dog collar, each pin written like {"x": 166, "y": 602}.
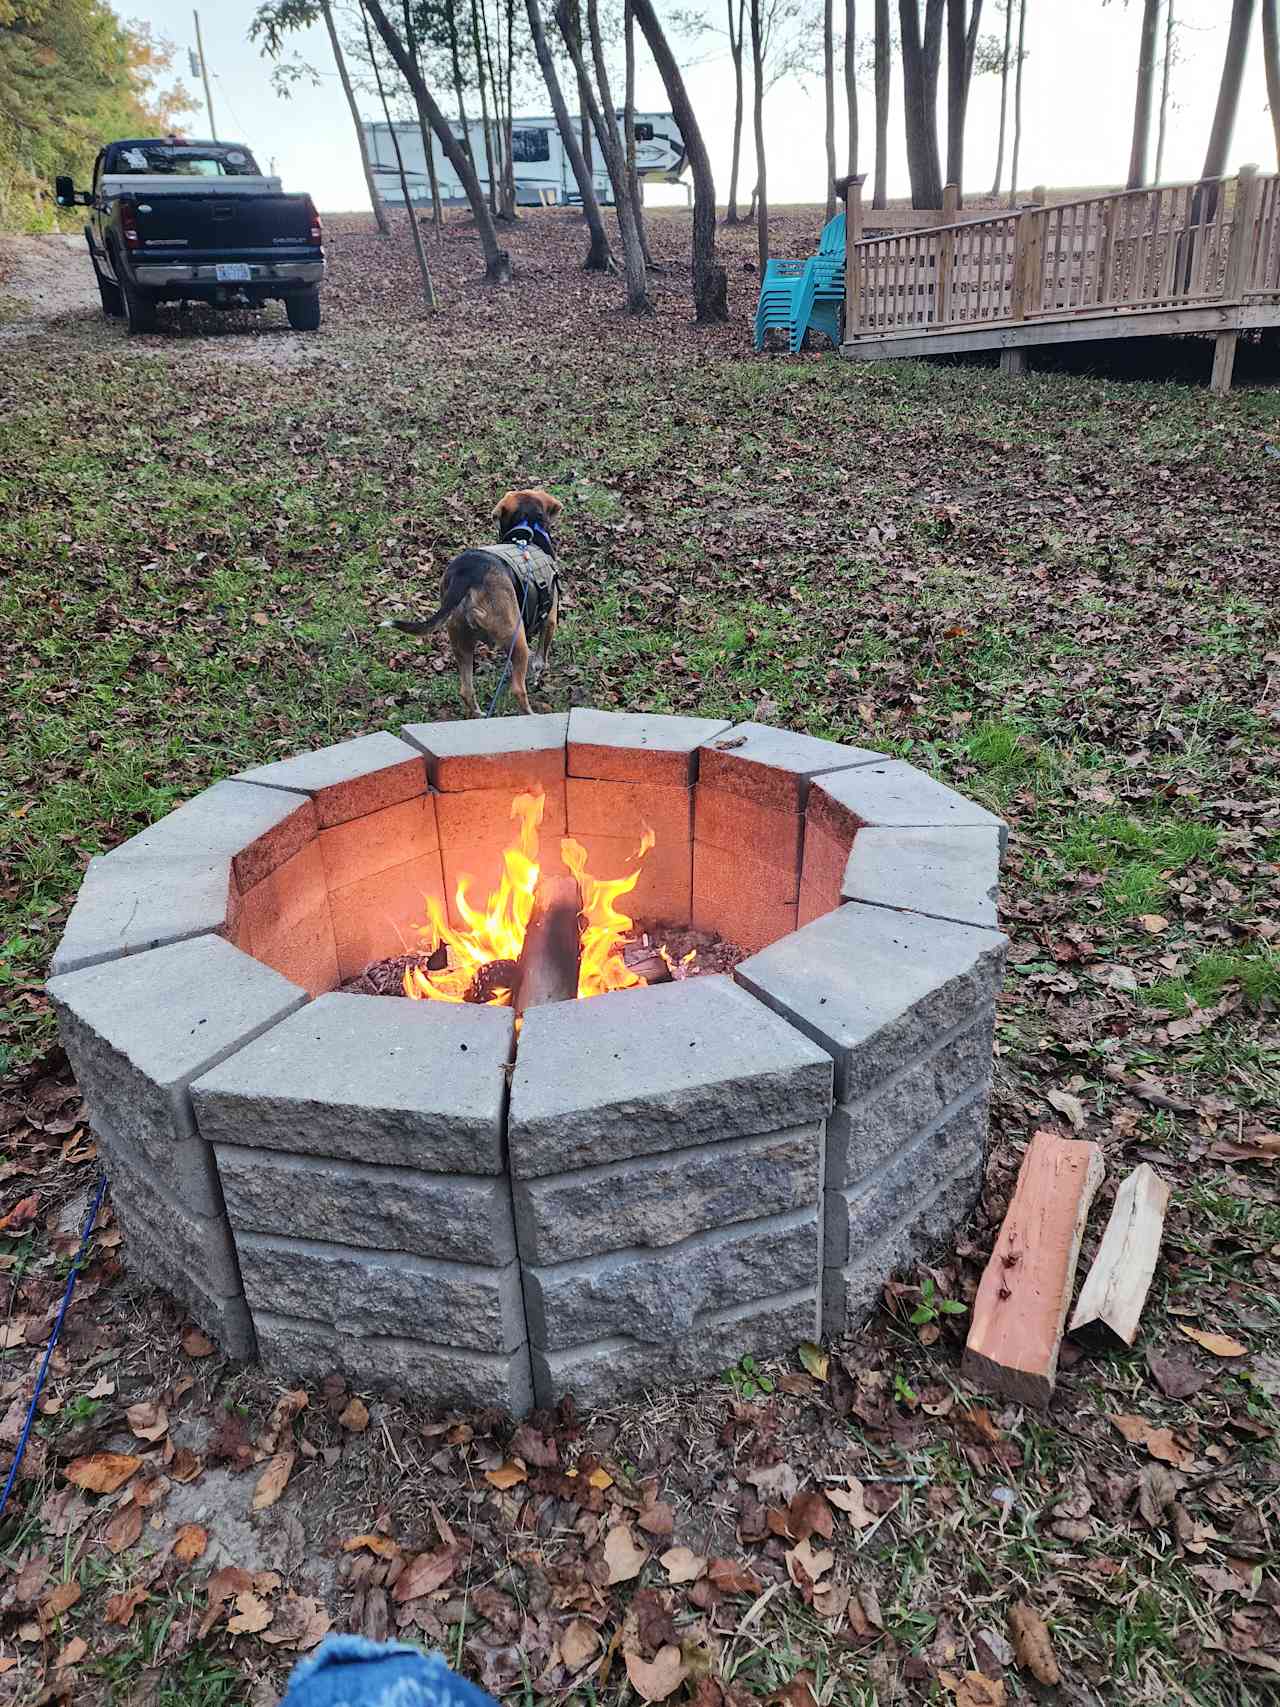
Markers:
{"x": 533, "y": 532}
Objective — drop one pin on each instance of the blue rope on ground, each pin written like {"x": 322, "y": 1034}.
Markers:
{"x": 53, "y": 1340}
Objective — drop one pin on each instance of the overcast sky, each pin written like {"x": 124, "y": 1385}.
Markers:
{"x": 1077, "y": 99}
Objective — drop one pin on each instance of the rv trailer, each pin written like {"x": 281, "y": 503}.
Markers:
{"x": 543, "y": 174}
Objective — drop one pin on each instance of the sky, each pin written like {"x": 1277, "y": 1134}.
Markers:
{"x": 1077, "y": 103}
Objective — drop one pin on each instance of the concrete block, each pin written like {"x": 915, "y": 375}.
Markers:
{"x": 285, "y": 922}
{"x": 826, "y": 854}
{"x": 483, "y": 815}
{"x": 492, "y": 752}
{"x": 813, "y": 903}
{"x": 896, "y": 795}
{"x": 773, "y": 766}
{"x": 851, "y": 1293}
{"x": 127, "y": 906}
{"x": 256, "y": 831}
{"x": 732, "y": 822}
{"x": 954, "y": 1147}
{"x": 659, "y": 1200}
{"x": 606, "y": 1370}
{"x": 657, "y": 1296}
{"x": 945, "y": 874}
{"x": 625, "y": 809}
{"x": 362, "y": 847}
{"x": 138, "y": 1031}
{"x": 461, "y": 1218}
{"x": 863, "y": 1134}
{"x": 406, "y": 1084}
{"x": 442, "y": 1375}
{"x": 631, "y": 746}
{"x": 663, "y": 890}
{"x": 876, "y": 988}
{"x": 349, "y": 780}
{"x": 662, "y": 1068}
{"x": 743, "y": 898}
{"x": 384, "y": 914}
{"x": 381, "y": 1292}
{"x": 185, "y": 1165}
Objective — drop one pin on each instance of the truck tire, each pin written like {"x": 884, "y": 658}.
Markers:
{"x": 108, "y": 290}
{"x": 139, "y": 308}
{"x": 303, "y": 309}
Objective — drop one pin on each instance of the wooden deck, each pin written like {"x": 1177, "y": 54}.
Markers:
{"x": 1198, "y": 257}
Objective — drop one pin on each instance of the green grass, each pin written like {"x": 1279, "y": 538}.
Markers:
{"x": 1257, "y": 976}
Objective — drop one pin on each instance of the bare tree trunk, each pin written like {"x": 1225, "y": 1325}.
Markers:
{"x": 710, "y": 281}
{"x": 1017, "y": 103}
{"x": 629, "y": 126}
{"x": 428, "y": 289}
{"x": 829, "y": 90}
{"x": 498, "y": 190}
{"x": 851, "y": 80}
{"x": 962, "y": 42}
{"x": 735, "y": 49}
{"x": 606, "y": 129}
{"x": 497, "y": 261}
{"x": 424, "y": 130}
{"x": 920, "y": 60}
{"x": 598, "y": 260}
{"x": 883, "y": 55}
{"x": 484, "y": 108}
{"x": 510, "y": 146}
{"x": 1224, "y": 115}
{"x": 761, "y": 193}
{"x": 379, "y": 212}
{"x": 1271, "y": 59}
{"x": 1142, "y": 95}
{"x": 1164, "y": 85}
{"x": 1004, "y": 94}
{"x": 458, "y": 84}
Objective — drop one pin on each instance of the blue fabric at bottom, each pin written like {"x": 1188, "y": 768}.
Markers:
{"x": 351, "y": 1671}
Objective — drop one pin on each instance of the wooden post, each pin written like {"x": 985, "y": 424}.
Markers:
{"x": 946, "y": 255}
{"x": 1224, "y": 361}
{"x": 1240, "y": 244}
{"x": 851, "y": 189}
{"x": 1013, "y": 360}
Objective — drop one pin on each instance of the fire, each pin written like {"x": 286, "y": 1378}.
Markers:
{"x": 493, "y": 938}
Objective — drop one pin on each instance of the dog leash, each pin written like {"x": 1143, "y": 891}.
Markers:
{"x": 506, "y": 668}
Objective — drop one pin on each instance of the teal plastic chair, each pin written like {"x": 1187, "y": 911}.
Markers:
{"x": 798, "y": 295}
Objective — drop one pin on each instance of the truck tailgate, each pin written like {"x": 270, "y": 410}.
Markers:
{"x": 230, "y": 225}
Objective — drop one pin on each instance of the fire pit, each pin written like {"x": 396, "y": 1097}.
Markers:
{"x": 545, "y": 1174}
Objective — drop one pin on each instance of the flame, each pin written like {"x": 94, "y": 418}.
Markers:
{"x": 497, "y": 932}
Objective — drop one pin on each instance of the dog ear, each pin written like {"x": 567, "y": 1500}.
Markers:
{"x": 551, "y": 505}
{"x": 507, "y": 502}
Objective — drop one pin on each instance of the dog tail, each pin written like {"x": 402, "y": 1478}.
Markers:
{"x": 428, "y": 626}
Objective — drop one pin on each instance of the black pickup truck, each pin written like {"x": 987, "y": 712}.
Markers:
{"x": 181, "y": 221}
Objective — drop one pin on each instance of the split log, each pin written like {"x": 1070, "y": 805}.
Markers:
{"x": 1109, "y": 1309}
{"x": 547, "y": 970}
{"x": 646, "y": 962}
{"x": 1022, "y": 1302}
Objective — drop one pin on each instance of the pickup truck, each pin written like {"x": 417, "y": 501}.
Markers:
{"x": 175, "y": 220}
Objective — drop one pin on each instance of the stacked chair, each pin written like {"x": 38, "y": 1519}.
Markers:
{"x": 799, "y": 295}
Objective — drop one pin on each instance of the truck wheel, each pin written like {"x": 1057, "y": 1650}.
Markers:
{"x": 112, "y": 306}
{"x": 303, "y": 309}
{"x": 139, "y": 308}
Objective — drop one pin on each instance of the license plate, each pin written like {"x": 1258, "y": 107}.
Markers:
{"x": 233, "y": 272}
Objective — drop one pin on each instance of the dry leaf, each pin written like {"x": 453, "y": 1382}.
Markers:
{"x": 814, "y": 1359}
{"x": 102, "y": 1472}
{"x": 356, "y": 1416}
{"x": 184, "y": 1466}
{"x": 1219, "y": 1344}
{"x": 682, "y": 1565}
{"x": 972, "y": 1689}
{"x": 831, "y": 1601}
{"x": 852, "y": 1501}
{"x": 196, "y": 1344}
{"x": 273, "y": 1480}
{"x": 731, "y": 1577}
{"x": 1069, "y": 1105}
{"x": 623, "y": 1556}
{"x": 1153, "y": 923}
{"x": 252, "y": 1614}
{"x": 508, "y": 1475}
{"x": 654, "y": 1680}
{"x": 60, "y": 1600}
{"x": 148, "y": 1420}
{"x": 102, "y": 1388}
{"x": 657, "y": 1519}
{"x": 425, "y": 1572}
{"x": 124, "y": 1529}
{"x": 1031, "y": 1646}
{"x": 600, "y": 1478}
{"x": 121, "y": 1607}
{"x": 299, "y": 1623}
{"x": 577, "y": 1644}
{"x": 1159, "y": 1442}
{"x": 189, "y": 1543}
{"x": 802, "y": 1560}
{"x": 279, "y": 1422}
{"x": 72, "y": 1654}
{"x": 777, "y": 1479}
{"x": 382, "y": 1545}
{"x": 21, "y": 1215}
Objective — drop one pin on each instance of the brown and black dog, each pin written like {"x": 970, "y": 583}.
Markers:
{"x": 507, "y": 595}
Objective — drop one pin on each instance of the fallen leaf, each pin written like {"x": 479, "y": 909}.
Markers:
{"x": 578, "y": 1643}
{"x": 624, "y": 1557}
{"x": 382, "y": 1545}
{"x": 148, "y": 1420}
{"x": 21, "y": 1215}
{"x": 508, "y": 1475}
{"x": 1031, "y": 1645}
{"x": 814, "y": 1359}
{"x": 803, "y": 1562}
{"x": 732, "y": 1577}
{"x": 657, "y": 1519}
{"x": 1219, "y": 1344}
{"x": 197, "y": 1344}
{"x": 72, "y": 1654}
{"x": 189, "y": 1543}
{"x": 1159, "y": 1442}
{"x": 682, "y": 1565}
{"x": 1253, "y": 1147}
{"x": 184, "y": 1466}
{"x": 273, "y": 1480}
{"x": 972, "y": 1689}
{"x": 299, "y": 1623}
{"x": 797, "y": 1693}
{"x": 809, "y": 1514}
{"x": 831, "y": 1600}
{"x": 978, "y": 1418}
{"x": 654, "y": 1680}
{"x": 279, "y": 1423}
{"x": 124, "y": 1529}
{"x": 102, "y": 1472}
{"x": 252, "y": 1614}
{"x": 1153, "y": 923}
{"x": 102, "y": 1388}
{"x": 423, "y": 1573}
{"x": 1176, "y": 1377}
{"x": 776, "y": 1479}
{"x": 1069, "y": 1105}
{"x": 60, "y": 1600}
{"x": 356, "y": 1416}
{"x": 600, "y": 1478}
{"x": 532, "y": 1447}
{"x": 121, "y": 1607}
{"x": 852, "y": 1501}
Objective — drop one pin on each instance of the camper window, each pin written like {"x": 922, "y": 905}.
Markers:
{"x": 529, "y": 146}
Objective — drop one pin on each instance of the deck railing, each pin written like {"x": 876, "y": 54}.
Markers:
{"x": 1173, "y": 245}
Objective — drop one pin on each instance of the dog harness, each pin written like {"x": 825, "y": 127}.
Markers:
{"x": 536, "y": 582}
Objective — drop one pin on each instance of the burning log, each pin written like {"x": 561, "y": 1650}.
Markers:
{"x": 547, "y": 970}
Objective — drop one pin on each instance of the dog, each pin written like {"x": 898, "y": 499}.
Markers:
{"x": 507, "y": 595}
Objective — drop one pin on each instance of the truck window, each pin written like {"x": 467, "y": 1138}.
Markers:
{"x": 180, "y": 160}
{"x": 530, "y": 146}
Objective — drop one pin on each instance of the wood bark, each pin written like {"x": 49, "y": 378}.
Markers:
{"x": 484, "y": 108}
{"x": 424, "y": 130}
{"x": 1271, "y": 61}
{"x": 761, "y": 194}
{"x": 883, "y": 67}
{"x": 459, "y": 87}
{"x": 547, "y": 970}
{"x": 710, "y": 280}
{"x": 1228, "y": 104}
{"x": 829, "y": 93}
{"x": 497, "y": 260}
{"x": 379, "y": 212}
{"x": 599, "y": 259}
{"x": 1004, "y": 95}
{"x": 1142, "y": 95}
{"x": 736, "y": 47}
{"x": 1017, "y": 103}
{"x": 921, "y": 54}
{"x": 428, "y": 287}
{"x": 962, "y": 42}
{"x": 1165, "y": 66}
{"x": 851, "y": 81}
{"x": 629, "y": 125}
{"x": 1115, "y": 1289}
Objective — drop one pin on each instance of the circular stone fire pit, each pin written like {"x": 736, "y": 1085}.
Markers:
{"x": 652, "y": 1184}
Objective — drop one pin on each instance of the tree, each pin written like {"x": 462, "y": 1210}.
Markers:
{"x": 415, "y": 230}
{"x": 736, "y": 50}
{"x": 851, "y": 81}
{"x": 634, "y": 189}
{"x": 962, "y": 42}
{"x": 1165, "y": 66}
{"x": 1142, "y": 94}
{"x": 1271, "y": 59}
{"x": 1004, "y": 94}
{"x": 1224, "y": 115}
{"x": 710, "y": 281}
{"x": 1017, "y": 101}
{"x": 829, "y": 93}
{"x": 883, "y": 56}
{"x": 921, "y": 55}
{"x": 598, "y": 260}
{"x": 379, "y": 212}
{"x": 757, "y": 110}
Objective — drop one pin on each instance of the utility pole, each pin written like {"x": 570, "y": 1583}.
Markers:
{"x": 204, "y": 72}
